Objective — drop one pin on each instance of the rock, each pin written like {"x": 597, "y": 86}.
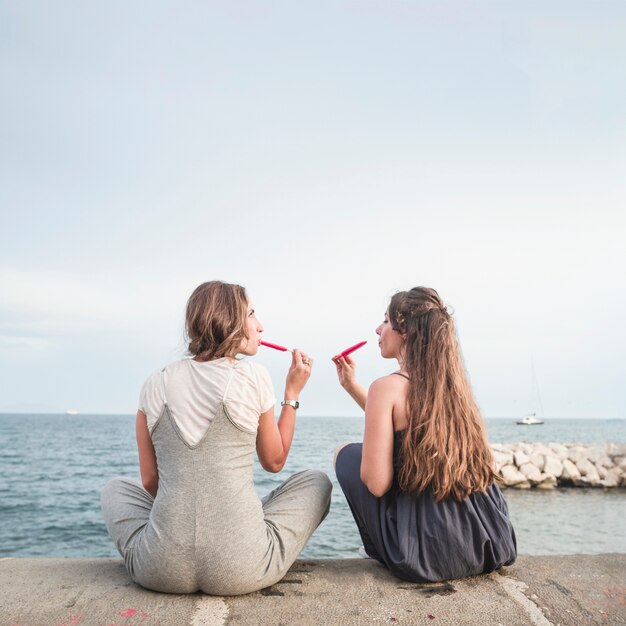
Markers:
{"x": 595, "y": 452}
{"x": 526, "y": 448}
{"x": 605, "y": 461}
{"x": 602, "y": 471}
{"x": 541, "y": 448}
{"x": 547, "y": 482}
{"x": 521, "y": 458}
{"x": 598, "y": 456}
{"x": 616, "y": 449}
{"x": 502, "y": 458}
{"x": 538, "y": 460}
{"x": 512, "y": 476}
{"x": 553, "y": 466}
{"x": 612, "y": 478}
{"x": 585, "y": 467}
{"x": 524, "y": 485}
{"x": 560, "y": 450}
{"x": 532, "y": 473}
{"x": 578, "y": 453}
{"x": 570, "y": 471}
{"x": 591, "y": 475}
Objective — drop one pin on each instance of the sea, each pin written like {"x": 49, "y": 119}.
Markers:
{"x": 53, "y": 467}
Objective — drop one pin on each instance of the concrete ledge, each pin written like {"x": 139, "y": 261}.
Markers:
{"x": 567, "y": 590}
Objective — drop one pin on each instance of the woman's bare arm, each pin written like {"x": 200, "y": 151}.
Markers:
{"x": 273, "y": 439}
{"x": 147, "y": 456}
{"x": 377, "y": 459}
{"x": 346, "y": 370}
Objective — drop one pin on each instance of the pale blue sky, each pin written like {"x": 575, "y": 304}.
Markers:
{"x": 324, "y": 155}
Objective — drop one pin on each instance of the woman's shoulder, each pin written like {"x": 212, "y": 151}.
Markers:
{"x": 252, "y": 369}
{"x": 153, "y": 378}
{"x": 388, "y": 382}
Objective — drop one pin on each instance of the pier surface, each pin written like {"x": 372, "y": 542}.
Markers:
{"x": 536, "y": 590}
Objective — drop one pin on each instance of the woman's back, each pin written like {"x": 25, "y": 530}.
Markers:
{"x": 207, "y": 523}
{"x": 195, "y": 390}
{"x": 195, "y": 522}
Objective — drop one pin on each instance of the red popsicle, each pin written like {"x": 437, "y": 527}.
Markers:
{"x": 347, "y": 351}
{"x": 267, "y": 344}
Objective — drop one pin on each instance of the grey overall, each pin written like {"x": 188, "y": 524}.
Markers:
{"x": 207, "y": 529}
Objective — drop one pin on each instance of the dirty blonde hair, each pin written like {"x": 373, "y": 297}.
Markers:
{"x": 215, "y": 321}
{"x": 445, "y": 446}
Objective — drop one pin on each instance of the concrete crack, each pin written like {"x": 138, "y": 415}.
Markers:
{"x": 515, "y": 590}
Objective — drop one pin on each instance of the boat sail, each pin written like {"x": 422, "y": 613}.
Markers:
{"x": 531, "y": 419}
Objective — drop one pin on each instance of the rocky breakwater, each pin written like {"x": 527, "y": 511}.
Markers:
{"x": 545, "y": 466}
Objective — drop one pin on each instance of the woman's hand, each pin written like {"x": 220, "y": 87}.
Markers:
{"x": 346, "y": 373}
{"x": 298, "y": 374}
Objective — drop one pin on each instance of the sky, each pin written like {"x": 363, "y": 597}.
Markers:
{"x": 324, "y": 155}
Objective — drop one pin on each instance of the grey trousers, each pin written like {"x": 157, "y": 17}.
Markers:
{"x": 291, "y": 513}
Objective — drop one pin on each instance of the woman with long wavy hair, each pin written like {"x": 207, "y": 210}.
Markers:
{"x": 422, "y": 485}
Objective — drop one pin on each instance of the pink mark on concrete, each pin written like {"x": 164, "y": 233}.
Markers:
{"x": 134, "y": 613}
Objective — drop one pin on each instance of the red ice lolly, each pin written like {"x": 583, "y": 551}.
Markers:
{"x": 267, "y": 344}
{"x": 347, "y": 351}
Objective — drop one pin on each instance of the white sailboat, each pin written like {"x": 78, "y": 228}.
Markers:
{"x": 531, "y": 419}
{"x": 71, "y": 412}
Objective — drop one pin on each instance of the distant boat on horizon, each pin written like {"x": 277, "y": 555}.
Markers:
{"x": 71, "y": 412}
{"x": 530, "y": 420}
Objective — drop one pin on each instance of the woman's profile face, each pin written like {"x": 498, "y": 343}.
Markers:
{"x": 250, "y": 346}
{"x": 390, "y": 341}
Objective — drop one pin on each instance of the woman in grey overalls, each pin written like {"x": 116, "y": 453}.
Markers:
{"x": 196, "y": 522}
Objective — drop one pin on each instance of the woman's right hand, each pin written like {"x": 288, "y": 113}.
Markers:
{"x": 298, "y": 374}
{"x": 346, "y": 371}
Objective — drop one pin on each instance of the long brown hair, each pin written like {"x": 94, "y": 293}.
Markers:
{"x": 215, "y": 322}
{"x": 445, "y": 446}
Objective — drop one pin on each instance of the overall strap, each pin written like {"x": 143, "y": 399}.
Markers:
{"x": 163, "y": 386}
{"x": 401, "y": 374}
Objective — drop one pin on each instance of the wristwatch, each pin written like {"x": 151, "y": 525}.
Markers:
{"x": 294, "y": 403}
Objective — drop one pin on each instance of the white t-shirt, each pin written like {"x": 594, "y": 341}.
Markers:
{"x": 195, "y": 391}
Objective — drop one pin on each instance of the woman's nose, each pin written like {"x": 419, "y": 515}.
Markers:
{"x": 378, "y": 330}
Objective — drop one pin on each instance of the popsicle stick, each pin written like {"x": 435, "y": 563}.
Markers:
{"x": 275, "y": 346}
{"x": 347, "y": 351}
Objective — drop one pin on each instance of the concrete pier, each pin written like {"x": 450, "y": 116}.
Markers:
{"x": 539, "y": 591}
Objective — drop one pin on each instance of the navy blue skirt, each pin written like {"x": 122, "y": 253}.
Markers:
{"x": 421, "y": 540}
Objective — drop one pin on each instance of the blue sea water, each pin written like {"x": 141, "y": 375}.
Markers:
{"x": 52, "y": 468}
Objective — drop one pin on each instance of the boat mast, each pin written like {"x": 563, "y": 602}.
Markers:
{"x": 534, "y": 385}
